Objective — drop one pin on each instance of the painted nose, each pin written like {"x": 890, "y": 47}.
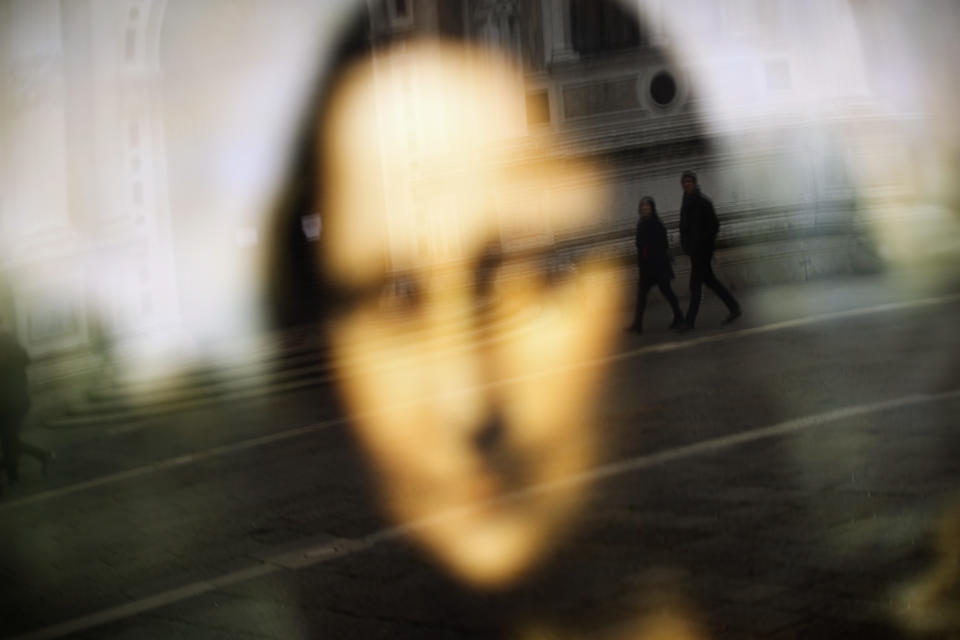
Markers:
{"x": 489, "y": 434}
{"x": 459, "y": 373}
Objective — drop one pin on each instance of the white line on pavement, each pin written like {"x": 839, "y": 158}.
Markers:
{"x": 317, "y": 554}
{"x": 785, "y": 324}
{"x": 251, "y": 443}
{"x": 171, "y": 463}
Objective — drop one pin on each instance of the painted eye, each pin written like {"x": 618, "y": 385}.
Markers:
{"x": 556, "y": 272}
{"x": 485, "y": 276}
{"x": 401, "y": 294}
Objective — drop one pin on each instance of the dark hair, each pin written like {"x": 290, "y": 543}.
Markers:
{"x": 653, "y": 204}
{"x": 294, "y": 288}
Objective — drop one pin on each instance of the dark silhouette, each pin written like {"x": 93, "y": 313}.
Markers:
{"x": 14, "y": 406}
{"x": 698, "y": 231}
{"x": 653, "y": 264}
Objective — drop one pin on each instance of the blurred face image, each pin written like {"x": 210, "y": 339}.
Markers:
{"x": 460, "y": 358}
{"x": 689, "y": 185}
{"x": 645, "y": 208}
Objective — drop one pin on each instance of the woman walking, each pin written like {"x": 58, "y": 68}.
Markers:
{"x": 653, "y": 263}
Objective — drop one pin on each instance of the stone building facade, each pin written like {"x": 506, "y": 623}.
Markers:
{"x": 768, "y": 101}
{"x": 84, "y": 217}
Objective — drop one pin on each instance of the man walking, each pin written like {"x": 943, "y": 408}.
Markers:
{"x": 698, "y": 231}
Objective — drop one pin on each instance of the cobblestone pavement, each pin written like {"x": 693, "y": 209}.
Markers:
{"x": 252, "y": 519}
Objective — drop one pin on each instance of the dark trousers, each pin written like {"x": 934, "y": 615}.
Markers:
{"x": 644, "y": 284}
{"x": 701, "y": 273}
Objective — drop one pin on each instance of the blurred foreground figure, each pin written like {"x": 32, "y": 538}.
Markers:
{"x": 460, "y": 368}
{"x": 14, "y": 406}
{"x": 931, "y": 606}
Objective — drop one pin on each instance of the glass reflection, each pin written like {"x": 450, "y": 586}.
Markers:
{"x": 457, "y": 357}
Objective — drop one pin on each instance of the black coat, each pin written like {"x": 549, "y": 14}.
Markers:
{"x": 698, "y": 224}
{"x": 652, "y": 246}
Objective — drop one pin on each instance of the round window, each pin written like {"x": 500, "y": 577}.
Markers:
{"x": 663, "y": 89}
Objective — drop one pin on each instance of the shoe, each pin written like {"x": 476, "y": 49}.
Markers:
{"x": 733, "y": 316}
{"x": 676, "y": 324}
{"x": 684, "y": 327}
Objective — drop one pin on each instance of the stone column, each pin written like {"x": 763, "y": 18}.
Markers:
{"x": 497, "y": 22}
{"x": 557, "y": 38}
{"x": 651, "y": 17}
{"x": 37, "y": 236}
